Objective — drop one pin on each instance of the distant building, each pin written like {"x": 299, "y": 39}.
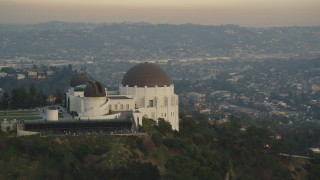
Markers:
{"x": 315, "y": 88}
{"x": 198, "y": 97}
{"x": 41, "y": 75}
{"x": 20, "y": 76}
{"x": 205, "y": 111}
{"x": 51, "y": 99}
{"x": 32, "y": 74}
{"x": 3, "y": 74}
{"x": 8, "y": 125}
{"x": 315, "y": 149}
{"x": 50, "y": 73}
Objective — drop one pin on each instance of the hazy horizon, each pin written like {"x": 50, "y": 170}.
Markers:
{"x": 254, "y": 13}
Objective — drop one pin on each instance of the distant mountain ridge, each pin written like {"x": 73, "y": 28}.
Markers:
{"x": 149, "y": 41}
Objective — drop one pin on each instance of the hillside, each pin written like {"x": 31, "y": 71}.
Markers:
{"x": 198, "y": 151}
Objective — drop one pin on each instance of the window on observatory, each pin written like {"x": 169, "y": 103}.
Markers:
{"x": 150, "y": 103}
{"x": 121, "y": 106}
{"x": 166, "y": 101}
{"x": 127, "y": 106}
{"x": 172, "y": 102}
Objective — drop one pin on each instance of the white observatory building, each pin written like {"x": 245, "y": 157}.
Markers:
{"x": 146, "y": 91}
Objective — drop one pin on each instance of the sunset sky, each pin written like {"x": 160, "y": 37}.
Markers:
{"x": 261, "y": 13}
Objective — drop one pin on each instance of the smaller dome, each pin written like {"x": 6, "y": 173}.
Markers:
{"x": 94, "y": 89}
{"x": 80, "y": 78}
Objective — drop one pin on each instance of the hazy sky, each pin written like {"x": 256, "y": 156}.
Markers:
{"x": 242, "y": 12}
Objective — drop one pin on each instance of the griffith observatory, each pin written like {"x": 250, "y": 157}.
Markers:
{"x": 145, "y": 91}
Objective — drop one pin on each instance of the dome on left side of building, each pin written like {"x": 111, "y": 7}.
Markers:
{"x": 79, "y": 79}
{"x": 94, "y": 89}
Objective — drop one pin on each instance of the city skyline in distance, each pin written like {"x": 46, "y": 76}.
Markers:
{"x": 253, "y": 13}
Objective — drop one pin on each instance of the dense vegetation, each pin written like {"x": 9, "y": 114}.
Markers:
{"x": 22, "y": 98}
{"x": 198, "y": 151}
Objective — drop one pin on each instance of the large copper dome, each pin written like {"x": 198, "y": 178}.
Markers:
{"x": 146, "y": 74}
{"x": 80, "y": 78}
{"x": 94, "y": 89}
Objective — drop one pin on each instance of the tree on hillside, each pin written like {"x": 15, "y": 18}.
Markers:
{"x": 59, "y": 96}
{"x": 5, "y": 100}
{"x": 32, "y": 95}
{"x": 164, "y": 127}
{"x": 148, "y": 125}
{"x": 23, "y": 98}
{"x": 19, "y": 98}
{"x": 8, "y": 70}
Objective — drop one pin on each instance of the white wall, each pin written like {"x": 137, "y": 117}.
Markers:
{"x": 121, "y": 104}
{"x": 26, "y": 133}
{"x": 155, "y": 102}
{"x": 152, "y": 102}
{"x": 146, "y": 91}
{"x": 94, "y": 106}
{"x": 52, "y": 114}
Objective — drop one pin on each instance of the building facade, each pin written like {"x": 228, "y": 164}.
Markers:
{"x": 146, "y": 91}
